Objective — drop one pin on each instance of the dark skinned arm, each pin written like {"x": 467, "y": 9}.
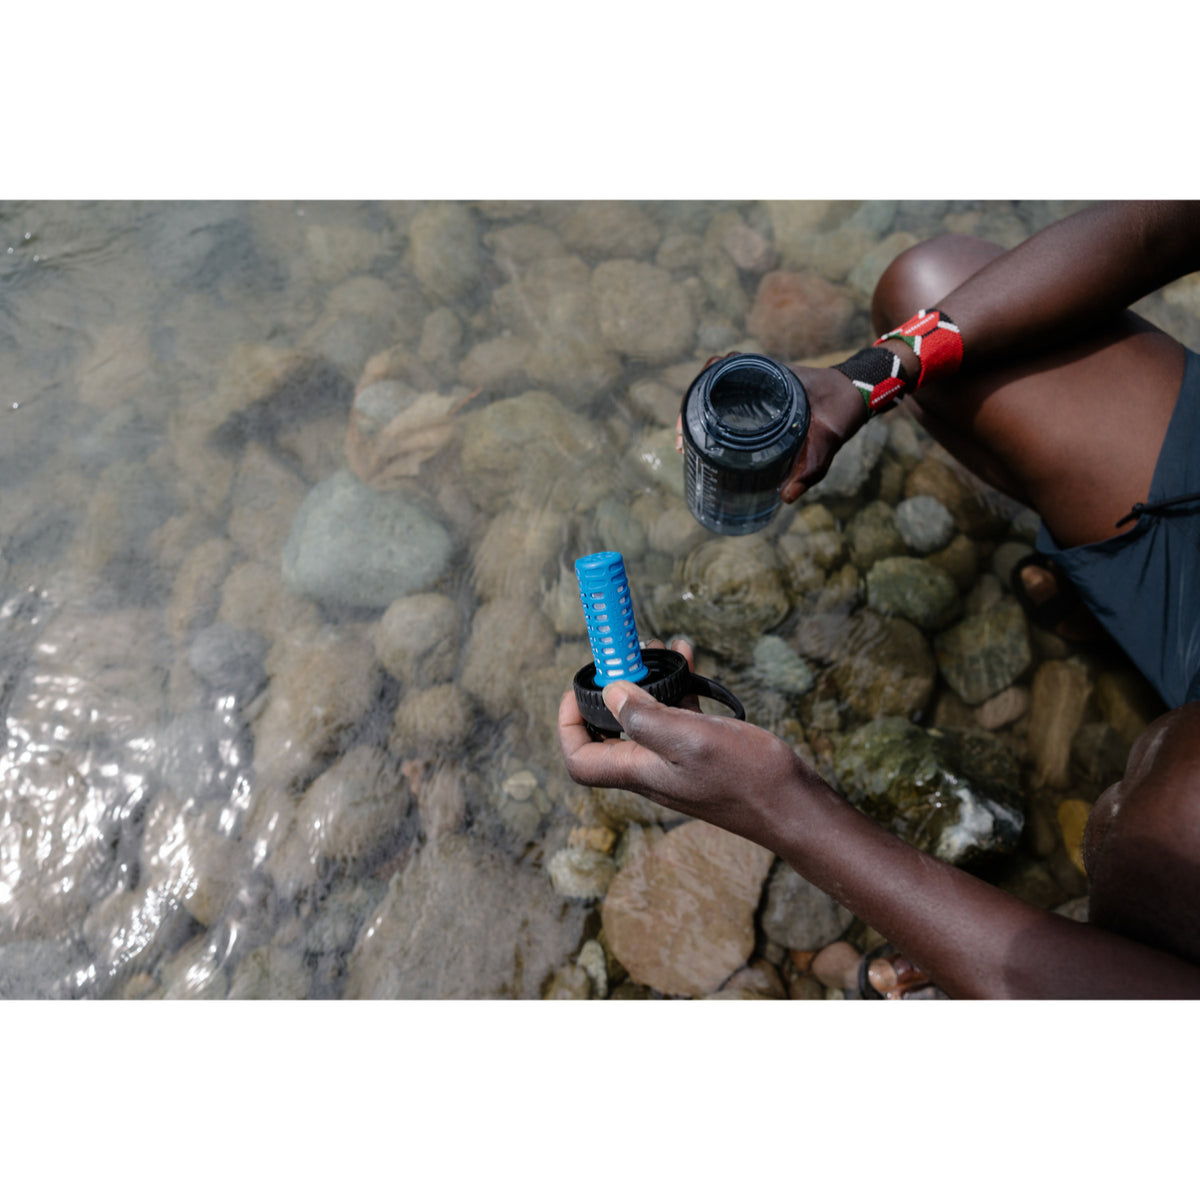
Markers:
{"x": 973, "y": 939}
{"x": 1072, "y": 276}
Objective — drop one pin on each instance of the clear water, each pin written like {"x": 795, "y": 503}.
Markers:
{"x": 208, "y": 778}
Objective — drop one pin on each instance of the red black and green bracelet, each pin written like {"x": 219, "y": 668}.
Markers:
{"x": 878, "y": 373}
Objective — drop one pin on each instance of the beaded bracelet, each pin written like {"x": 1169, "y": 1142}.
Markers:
{"x": 934, "y": 339}
{"x": 880, "y": 376}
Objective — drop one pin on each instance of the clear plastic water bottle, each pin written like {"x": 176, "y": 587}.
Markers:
{"x": 745, "y": 418}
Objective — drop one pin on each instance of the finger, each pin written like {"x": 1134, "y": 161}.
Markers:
{"x": 607, "y": 764}
{"x": 668, "y": 733}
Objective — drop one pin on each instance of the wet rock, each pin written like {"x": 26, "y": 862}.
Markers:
{"x": 230, "y": 660}
{"x": 799, "y": 314}
{"x": 872, "y": 535}
{"x": 779, "y": 667}
{"x": 837, "y": 966}
{"x": 462, "y": 921}
{"x": 1099, "y": 754}
{"x": 437, "y": 720}
{"x": 522, "y": 805}
{"x": 506, "y": 637}
{"x": 530, "y": 445}
{"x": 418, "y": 638}
{"x": 351, "y": 545}
{"x": 353, "y": 810}
{"x": 1003, "y": 709}
{"x": 254, "y": 597}
{"x": 924, "y": 523}
{"x": 883, "y": 667}
{"x": 954, "y": 793}
{"x": 985, "y": 653}
{"x": 1073, "y": 817}
{"x": 196, "y": 592}
{"x": 43, "y": 969}
{"x": 517, "y": 245}
{"x": 195, "y": 973}
{"x": 581, "y": 873}
{"x": 680, "y": 917}
{"x": 977, "y": 511}
{"x": 960, "y": 560}
{"x": 800, "y": 916}
{"x": 654, "y": 402}
{"x": 321, "y": 685}
{"x": 852, "y": 465}
{"x": 914, "y": 589}
{"x": 610, "y": 229}
{"x": 643, "y": 314}
{"x": 444, "y": 242}
{"x": 731, "y": 593}
{"x": 497, "y": 364}
{"x": 759, "y": 981}
{"x": 271, "y": 973}
{"x": 655, "y": 456}
{"x": 1059, "y": 696}
{"x": 442, "y": 801}
{"x": 266, "y": 497}
{"x": 569, "y": 983}
{"x": 518, "y": 554}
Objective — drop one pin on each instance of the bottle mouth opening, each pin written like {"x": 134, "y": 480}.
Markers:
{"x": 748, "y": 403}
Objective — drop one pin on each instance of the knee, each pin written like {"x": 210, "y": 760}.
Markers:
{"x": 924, "y": 274}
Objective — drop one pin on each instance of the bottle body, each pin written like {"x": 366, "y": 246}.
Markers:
{"x": 745, "y": 418}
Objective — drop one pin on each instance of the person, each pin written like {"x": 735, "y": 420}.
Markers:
{"x": 1043, "y": 383}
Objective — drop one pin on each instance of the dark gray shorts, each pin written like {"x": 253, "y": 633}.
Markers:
{"x": 1144, "y": 584}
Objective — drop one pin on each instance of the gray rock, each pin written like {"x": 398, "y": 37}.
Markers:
{"x": 351, "y": 545}
{"x": 883, "y": 666}
{"x": 230, "y": 660}
{"x": 463, "y": 921}
{"x": 914, "y": 589}
{"x": 925, "y": 524}
{"x": 872, "y": 535}
{"x": 778, "y": 666}
{"x": 38, "y": 970}
{"x": 800, "y": 916}
{"x": 954, "y": 793}
{"x": 852, "y": 465}
{"x": 642, "y": 312}
{"x": 985, "y": 653}
{"x": 445, "y": 250}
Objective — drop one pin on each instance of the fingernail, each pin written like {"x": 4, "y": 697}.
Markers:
{"x": 615, "y": 696}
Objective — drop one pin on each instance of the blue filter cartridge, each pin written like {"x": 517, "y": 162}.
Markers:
{"x": 608, "y": 610}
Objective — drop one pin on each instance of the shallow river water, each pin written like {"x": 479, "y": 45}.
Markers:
{"x": 290, "y": 495}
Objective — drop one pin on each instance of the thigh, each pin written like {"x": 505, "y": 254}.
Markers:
{"x": 1074, "y": 433}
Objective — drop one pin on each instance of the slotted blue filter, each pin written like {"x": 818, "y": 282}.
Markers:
{"x": 608, "y": 610}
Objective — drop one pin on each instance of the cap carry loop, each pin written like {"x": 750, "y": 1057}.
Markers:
{"x": 934, "y": 339}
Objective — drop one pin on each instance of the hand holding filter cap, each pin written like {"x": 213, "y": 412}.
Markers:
{"x": 616, "y": 654}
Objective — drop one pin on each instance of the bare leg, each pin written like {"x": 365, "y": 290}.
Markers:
{"x": 1074, "y": 433}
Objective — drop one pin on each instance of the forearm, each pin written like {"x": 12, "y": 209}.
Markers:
{"x": 1073, "y": 275}
{"x": 971, "y": 938}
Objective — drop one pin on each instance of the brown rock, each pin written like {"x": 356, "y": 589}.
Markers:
{"x": 1058, "y": 697}
{"x": 798, "y": 313}
{"x": 837, "y": 965}
{"x": 680, "y": 917}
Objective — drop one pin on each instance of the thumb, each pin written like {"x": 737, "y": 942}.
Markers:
{"x": 645, "y": 720}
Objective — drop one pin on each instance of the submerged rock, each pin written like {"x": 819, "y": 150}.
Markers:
{"x": 351, "y": 545}
{"x": 463, "y": 922}
{"x": 680, "y": 916}
{"x": 799, "y": 915}
{"x": 731, "y": 593}
{"x": 985, "y": 653}
{"x": 914, "y": 589}
{"x": 954, "y": 793}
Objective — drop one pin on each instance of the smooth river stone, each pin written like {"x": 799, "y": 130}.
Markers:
{"x": 680, "y": 917}
{"x": 351, "y": 545}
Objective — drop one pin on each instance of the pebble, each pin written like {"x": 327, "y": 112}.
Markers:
{"x": 924, "y": 523}
{"x": 836, "y": 966}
